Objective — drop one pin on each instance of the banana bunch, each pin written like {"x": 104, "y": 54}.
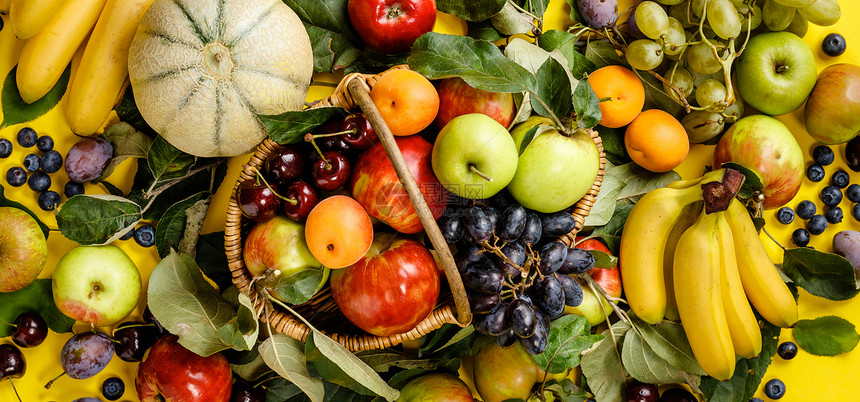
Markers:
{"x": 706, "y": 269}
{"x": 100, "y": 31}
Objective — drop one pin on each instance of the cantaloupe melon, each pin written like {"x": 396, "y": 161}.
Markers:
{"x": 203, "y": 70}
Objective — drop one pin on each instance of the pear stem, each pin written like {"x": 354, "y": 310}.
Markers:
{"x": 15, "y": 390}
{"x": 48, "y": 385}
{"x": 480, "y": 173}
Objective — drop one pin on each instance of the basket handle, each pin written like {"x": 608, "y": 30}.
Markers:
{"x": 361, "y": 96}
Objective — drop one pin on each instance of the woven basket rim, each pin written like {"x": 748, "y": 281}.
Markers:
{"x": 284, "y": 322}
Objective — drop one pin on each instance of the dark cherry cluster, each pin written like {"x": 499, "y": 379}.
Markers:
{"x": 293, "y": 177}
{"x": 515, "y": 268}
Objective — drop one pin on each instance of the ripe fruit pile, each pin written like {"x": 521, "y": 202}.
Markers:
{"x": 516, "y": 269}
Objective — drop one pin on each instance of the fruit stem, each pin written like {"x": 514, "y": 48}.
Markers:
{"x": 480, "y": 173}
{"x": 260, "y": 177}
{"x": 350, "y": 131}
{"x": 11, "y": 325}
{"x": 310, "y": 138}
{"x": 781, "y": 69}
{"x": 48, "y": 385}
{"x": 15, "y": 390}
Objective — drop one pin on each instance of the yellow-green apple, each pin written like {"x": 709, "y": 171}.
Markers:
{"x": 504, "y": 373}
{"x": 434, "y": 387}
{"x": 374, "y": 184}
{"x": 277, "y": 249}
{"x": 474, "y": 156}
{"x": 173, "y": 373}
{"x": 389, "y": 290}
{"x": 99, "y": 285}
{"x": 555, "y": 170}
{"x": 595, "y": 307}
{"x": 391, "y": 26}
{"x": 23, "y": 249}
{"x": 831, "y": 115}
{"x": 764, "y": 144}
{"x": 456, "y": 98}
{"x": 776, "y": 72}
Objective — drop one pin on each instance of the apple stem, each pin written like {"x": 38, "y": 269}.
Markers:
{"x": 15, "y": 390}
{"x": 48, "y": 385}
{"x": 480, "y": 173}
{"x": 260, "y": 177}
{"x": 781, "y": 69}
{"x": 310, "y": 138}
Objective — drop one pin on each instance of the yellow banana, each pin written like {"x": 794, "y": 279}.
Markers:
{"x": 643, "y": 244}
{"x": 4, "y": 6}
{"x": 102, "y": 75}
{"x": 761, "y": 281}
{"x": 29, "y": 17}
{"x": 45, "y": 56}
{"x": 698, "y": 290}
{"x": 689, "y": 214}
{"x": 743, "y": 326}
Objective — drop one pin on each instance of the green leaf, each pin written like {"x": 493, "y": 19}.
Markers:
{"x": 449, "y": 341}
{"x": 822, "y": 274}
{"x": 373, "y": 62}
{"x": 574, "y": 12}
{"x": 566, "y": 391}
{"x": 656, "y": 98}
{"x": 284, "y": 355}
{"x": 537, "y": 7}
{"x": 111, "y": 189}
{"x": 166, "y": 162}
{"x": 531, "y": 135}
{"x": 601, "y": 366}
{"x": 565, "y": 42}
{"x": 603, "y": 259}
{"x": 640, "y": 181}
{"x": 212, "y": 259}
{"x": 338, "y": 365}
{"x": 252, "y": 366}
{"x": 604, "y": 207}
{"x": 300, "y": 286}
{"x": 96, "y": 219}
{"x": 5, "y": 202}
{"x": 480, "y": 63}
{"x": 748, "y": 372}
{"x": 127, "y": 111}
{"x": 511, "y": 21}
{"x": 669, "y": 341}
{"x": 568, "y": 337}
{"x": 206, "y": 175}
{"x": 474, "y": 11}
{"x": 171, "y": 226}
{"x": 532, "y": 58}
{"x": 644, "y": 364}
{"x": 291, "y": 127}
{"x": 613, "y": 144}
{"x": 332, "y": 39}
{"x": 483, "y": 30}
{"x": 553, "y": 87}
{"x": 332, "y": 50}
{"x": 16, "y": 111}
{"x": 242, "y": 330}
{"x": 602, "y": 54}
{"x": 586, "y": 105}
{"x": 611, "y": 231}
{"x": 36, "y": 297}
{"x": 383, "y": 360}
{"x": 188, "y": 306}
{"x": 400, "y": 379}
{"x": 752, "y": 179}
{"x": 826, "y": 336}
{"x": 127, "y": 143}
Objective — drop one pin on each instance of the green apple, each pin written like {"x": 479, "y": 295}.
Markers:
{"x": 474, "y": 156}
{"x": 831, "y": 114}
{"x": 99, "y": 285}
{"x": 555, "y": 170}
{"x": 23, "y": 249}
{"x": 776, "y": 72}
{"x": 438, "y": 386}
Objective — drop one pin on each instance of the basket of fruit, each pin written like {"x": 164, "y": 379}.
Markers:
{"x": 307, "y": 258}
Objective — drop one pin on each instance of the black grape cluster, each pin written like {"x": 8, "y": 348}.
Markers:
{"x": 515, "y": 268}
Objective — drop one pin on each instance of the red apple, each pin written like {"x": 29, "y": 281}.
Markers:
{"x": 457, "y": 98}
{"x": 172, "y": 372}
{"x": 764, "y": 144}
{"x": 504, "y": 373}
{"x": 389, "y": 290}
{"x": 374, "y": 184}
{"x": 391, "y": 26}
{"x": 439, "y": 386}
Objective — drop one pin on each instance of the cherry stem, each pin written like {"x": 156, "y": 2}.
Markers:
{"x": 15, "y": 390}
{"x": 310, "y": 138}
{"x": 260, "y": 177}
{"x": 48, "y": 385}
{"x": 350, "y": 131}
{"x": 11, "y": 325}
{"x": 480, "y": 173}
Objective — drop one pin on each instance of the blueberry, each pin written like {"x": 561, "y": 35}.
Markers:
{"x": 49, "y": 200}
{"x": 815, "y": 173}
{"x": 785, "y": 215}
{"x": 113, "y": 388}
{"x": 16, "y": 176}
{"x": 823, "y": 155}
{"x": 128, "y": 235}
{"x": 39, "y": 182}
{"x": 840, "y": 179}
{"x": 855, "y": 212}
{"x": 833, "y": 215}
{"x": 145, "y": 235}
{"x": 5, "y": 148}
{"x": 805, "y": 209}
{"x": 831, "y": 196}
{"x": 833, "y": 44}
{"x": 816, "y": 225}
{"x": 787, "y": 350}
{"x": 800, "y": 237}
{"x": 45, "y": 143}
{"x": 51, "y": 161}
{"x": 853, "y": 192}
{"x": 72, "y": 189}
{"x": 26, "y": 137}
{"x": 31, "y": 162}
{"x": 774, "y": 389}
{"x": 755, "y": 400}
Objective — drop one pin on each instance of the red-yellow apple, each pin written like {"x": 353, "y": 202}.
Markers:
{"x": 173, "y": 373}
{"x": 457, "y": 98}
{"x": 831, "y": 115}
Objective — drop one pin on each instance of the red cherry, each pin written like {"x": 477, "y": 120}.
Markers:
{"x": 257, "y": 201}
{"x": 306, "y": 198}
{"x": 332, "y": 172}
{"x": 358, "y": 132}
{"x": 285, "y": 164}
{"x": 30, "y": 330}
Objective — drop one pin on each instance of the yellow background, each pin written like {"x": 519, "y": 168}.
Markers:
{"x": 806, "y": 377}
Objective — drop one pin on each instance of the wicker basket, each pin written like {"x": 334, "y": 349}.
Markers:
{"x": 321, "y": 310}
